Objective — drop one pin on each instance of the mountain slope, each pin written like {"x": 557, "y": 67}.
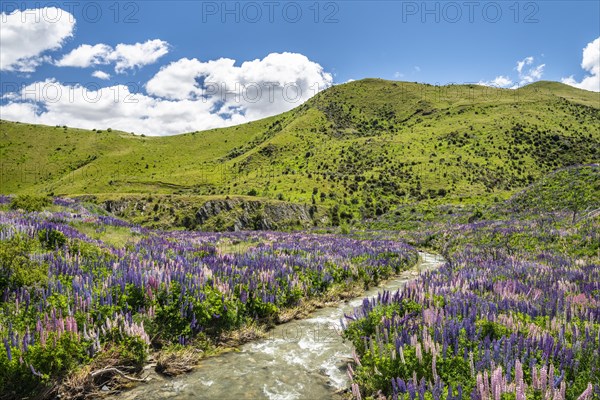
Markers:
{"x": 576, "y": 189}
{"x": 365, "y": 145}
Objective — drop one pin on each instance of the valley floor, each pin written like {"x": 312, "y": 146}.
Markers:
{"x": 514, "y": 313}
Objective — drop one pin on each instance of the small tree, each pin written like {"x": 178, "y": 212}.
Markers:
{"x": 334, "y": 214}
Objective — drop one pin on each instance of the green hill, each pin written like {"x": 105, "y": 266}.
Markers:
{"x": 366, "y": 145}
{"x": 574, "y": 189}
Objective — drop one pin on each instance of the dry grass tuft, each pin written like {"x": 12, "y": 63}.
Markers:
{"x": 109, "y": 369}
{"x": 177, "y": 362}
{"x": 242, "y": 335}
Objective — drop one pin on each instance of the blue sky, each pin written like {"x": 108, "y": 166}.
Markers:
{"x": 433, "y": 42}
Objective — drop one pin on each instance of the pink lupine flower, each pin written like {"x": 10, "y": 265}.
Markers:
{"x": 481, "y": 387}
{"x": 497, "y": 383}
{"x": 588, "y": 393}
{"x": 519, "y": 384}
{"x": 350, "y": 372}
{"x": 486, "y": 383}
{"x": 543, "y": 380}
{"x": 356, "y": 391}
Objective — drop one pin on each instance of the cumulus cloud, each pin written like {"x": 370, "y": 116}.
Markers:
{"x": 186, "y": 95}
{"x": 101, "y": 75}
{"x": 590, "y": 63}
{"x": 25, "y": 35}
{"x": 85, "y": 56}
{"x": 129, "y": 56}
{"x": 499, "y": 81}
{"x": 257, "y": 88}
{"x": 119, "y": 107}
{"x": 125, "y": 56}
{"x": 178, "y": 80}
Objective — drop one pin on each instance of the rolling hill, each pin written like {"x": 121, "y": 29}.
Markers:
{"x": 365, "y": 146}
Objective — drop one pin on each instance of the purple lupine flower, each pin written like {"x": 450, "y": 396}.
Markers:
{"x": 34, "y": 372}
{"x": 7, "y": 347}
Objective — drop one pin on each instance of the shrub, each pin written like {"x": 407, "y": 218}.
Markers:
{"x": 29, "y": 203}
{"x": 344, "y": 230}
{"x": 16, "y": 268}
{"x": 475, "y": 216}
{"x": 26, "y": 373}
{"x": 51, "y": 239}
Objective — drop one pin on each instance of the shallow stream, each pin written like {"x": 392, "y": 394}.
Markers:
{"x": 301, "y": 359}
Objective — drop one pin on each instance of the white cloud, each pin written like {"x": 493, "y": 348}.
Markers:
{"x": 398, "y": 75}
{"x": 591, "y": 57}
{"x": 85, "y": 56}
{"x": 178, "y": 79}
{"x": 257, "y": 88}
{"x": 499, "y": 81}
{"x": 530, "y": 74}
{"x": 524, "y": 62}
{"x": 590, "y": 63}
{"x": 176, "y": 101}
{"x": 25, "y": 35}
{"x": 101, "y": 75}
{"x": 125, "y": 56}
{"x": 129, "y": 56}
{"x": 23, "y": 112}
{"x": 527, "y": 73}
{"x": 52, "y": 103}
{"x": 502, "y": 81}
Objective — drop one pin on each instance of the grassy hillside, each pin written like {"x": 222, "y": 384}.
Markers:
{"x": 367, "y": 146}
{"x": 574, "y": 191}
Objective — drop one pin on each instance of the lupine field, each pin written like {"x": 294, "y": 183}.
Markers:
{"x": 513, "y": 314}
{"x": 484, "y": 328}
{"x": 69, "y": 299}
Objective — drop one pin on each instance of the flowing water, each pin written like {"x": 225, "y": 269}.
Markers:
{"x": 301, "y": 359}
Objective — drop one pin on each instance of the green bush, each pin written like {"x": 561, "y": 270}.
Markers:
{"x": 24, "y": 374}
{"x": 131, "y": 351}
{"x": 51, "y": 239}
{"x": 493, "y": 330}
{"x": 16, "y": 267}
{"x": 29, "y": 203}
